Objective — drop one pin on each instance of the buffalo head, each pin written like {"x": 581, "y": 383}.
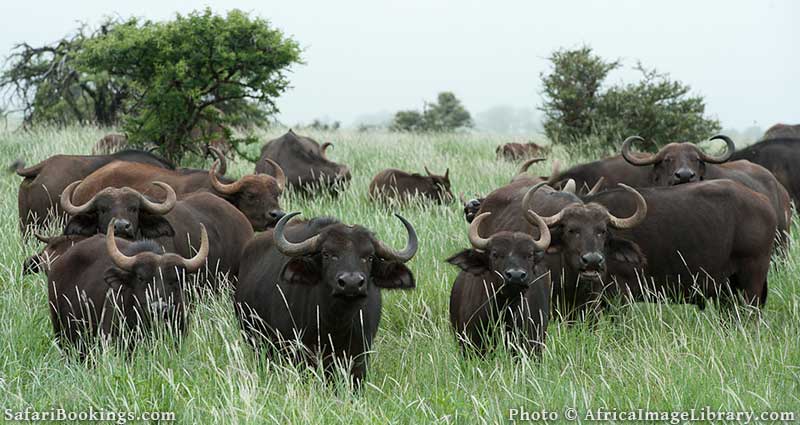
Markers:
{"x": 148, "y": 279}
{"x": 439, "y": 186}
{"x": 676, "y": 163}
{"x": 471, "y": 206}
{"x": 136, "y": 216}
{"x": 255, "y": 195}
{"x": 347, "y": 259}
{"x": 511, "y": 255}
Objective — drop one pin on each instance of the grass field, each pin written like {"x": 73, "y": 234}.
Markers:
{"x": 653, "y": 357}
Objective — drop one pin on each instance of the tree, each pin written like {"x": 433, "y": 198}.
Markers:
{"x": 571, "y": 93}
{"x": 188, "y": 71}
{"x": 446, "y": 114}
{"x": 655, "y": 107}
{"x": 50, "y": 86}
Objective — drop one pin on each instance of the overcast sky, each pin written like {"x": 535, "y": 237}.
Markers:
{"x": 364, "y": 57}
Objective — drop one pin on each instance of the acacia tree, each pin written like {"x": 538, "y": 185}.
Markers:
{"x": 49, "y": 85}
{"x": 185, "y": 72}
{"x": 446, "y": 114}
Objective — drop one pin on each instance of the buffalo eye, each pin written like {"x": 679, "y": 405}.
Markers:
{"x": 573, "y": 231}
{"x": 133, "y": 209}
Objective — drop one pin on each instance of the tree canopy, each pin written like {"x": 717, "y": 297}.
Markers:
{"x": 446, "y": 114}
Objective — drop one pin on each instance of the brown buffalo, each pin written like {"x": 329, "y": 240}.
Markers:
{"x": 782, "y": 131}
{"x": 722, "y": 248}
{"x": 39, "y": 192}
{"x": 110, "y": 143}
{"x": 781, "y": 157}
{"x": 396, "y": 184}
{"x": 255, "y": 195}
{"x": 174, "y": 223}
{"x": 304, "y": 162}
{"x": 111, "y": 288}
{"x": 518, "y": 151}
{"x": 502, "y": 287}
{"x": 319, "y": 283}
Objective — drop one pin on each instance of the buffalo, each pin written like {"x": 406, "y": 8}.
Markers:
{"x": 518, "y": 151}
{"x": 396, "y": 184}
{"x": 112, "y": 288}
{"x": 501, "y": 285}
{"x": 55, "y": 247}
{"x": 110, "y": 143}
{"x": 779, "y": 156}
{"x": 256, "y": 196}
{"x": 680, "y": 163}
{"x": 43, "y": 183}
{"x": 782, "y": 131}
{"x": 304, "y": 162}
{"x": 322, "y": 291}
{"x": 684, "y": 261}
{"x": 173, "y": 223}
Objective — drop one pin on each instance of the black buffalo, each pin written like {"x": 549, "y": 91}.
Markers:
{"x": 304, "y": 162}
{"x": 781, "y": 157}
{"x": 107, "y": 287}
{"x": 502, "y": 288}
{"x": 322, "y": 291}
{"x": 396, "y": 184}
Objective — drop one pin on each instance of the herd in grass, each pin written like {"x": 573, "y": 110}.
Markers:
{"x": 679, "y": 225}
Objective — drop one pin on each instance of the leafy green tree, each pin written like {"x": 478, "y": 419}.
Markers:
{"x": 446, "y": 114}
{"x": 655, "y": 107}
{"x": 571, "y": 93}
{"x": 187, "y": 71}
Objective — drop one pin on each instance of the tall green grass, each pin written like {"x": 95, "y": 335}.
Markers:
{"x": 656, "y": 357}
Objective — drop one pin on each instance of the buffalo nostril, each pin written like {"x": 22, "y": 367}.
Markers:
{"x": 592, "y": 259}
{"x": 341, "y": 282}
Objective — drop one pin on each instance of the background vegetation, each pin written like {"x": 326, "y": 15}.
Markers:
{"x": 657, "y": 357}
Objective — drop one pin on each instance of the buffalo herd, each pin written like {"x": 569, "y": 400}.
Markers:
{"x": 679, "y": 225}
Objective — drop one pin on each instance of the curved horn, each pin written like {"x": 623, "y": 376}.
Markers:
{"x": 529, "y": 195}
{"x": 474, "y": 238}
{"x": 279, "y": 174}
{"x": 121, "y": 260}
{"x": 66, "y": 200}
{"x": 638, "y": 159}
{"x": 596, "y": 187}
{"x": 223, "y": 162}
{"x": 388, "y": 253}
{"x": 730, "y": 148}
{"x": 525, "y": 165}
{"x": 164, "y": 207}
{"x": 554, "y": 172}
{"x": 324, "y": 149}
{"x": 447, "y": 174}
{"x": 544, "y": 232}
{"x": 225, "y": 189}
{"x": 292, "y": 249}
{"x": 637, "y": 217}
{"x": 428, "y": 171}
{"x": 569, "y": 187}
{"x": 193, "y": 264}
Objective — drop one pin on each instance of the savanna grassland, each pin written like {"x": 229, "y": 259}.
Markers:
{"x": 654, "y": 357}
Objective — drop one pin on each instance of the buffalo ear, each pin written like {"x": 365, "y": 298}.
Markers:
{"x": 625, "y": 251}
{"x": 115, "y": 278}
{"x": 471, "y": 261}
{"x": 301, "y": 271}
{"x": 555, "y": 240}
{"x": 155, "y": 226}
{"x": 392, "y": 275}
{"x": 32, "y": 264}
{"x": 81, "y": 224}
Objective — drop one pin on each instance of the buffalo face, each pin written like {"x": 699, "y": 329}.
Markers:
{"x": 256, "y": 196}
{"x": 676, "y": 163}
{"x": 134, "y": 215}
{"x": 471, "y": 207}
{"x": 512, "y": 256}
{"x": 347, "y": 259}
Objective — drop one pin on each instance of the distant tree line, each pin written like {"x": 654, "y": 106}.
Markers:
{"x": 159, "y": 80}
{"x": 446, "y": 114}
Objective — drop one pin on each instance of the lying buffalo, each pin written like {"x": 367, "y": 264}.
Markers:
{"x": 680, "y": 163}
{"x": 779, "y": 156}
{"x": 502, "y": 287}
{"x": 256, "y": 195}
{"x": 518, "y": 151}
{"x": 323, "y": 290}
{"x": 722, "y": 246}
{"x": 396, "y": 184}
{"x": 175, "y": 224}
{"x": 303, "y": 161}
{"x": 40, "y": 190}
{"x": 54, "y": 247}
{"x": 105, "y": 287}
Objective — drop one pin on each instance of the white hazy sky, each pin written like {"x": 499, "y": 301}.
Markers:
{"x": 364, "y": 57}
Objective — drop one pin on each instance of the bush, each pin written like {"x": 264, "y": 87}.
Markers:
{"x": 446, "y": 114}
{"x": 577, "y": 109}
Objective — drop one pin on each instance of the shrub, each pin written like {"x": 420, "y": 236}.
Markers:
{"x": 444, "y": 115}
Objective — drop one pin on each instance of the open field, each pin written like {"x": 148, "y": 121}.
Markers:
{"x": 654, "y": 357}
